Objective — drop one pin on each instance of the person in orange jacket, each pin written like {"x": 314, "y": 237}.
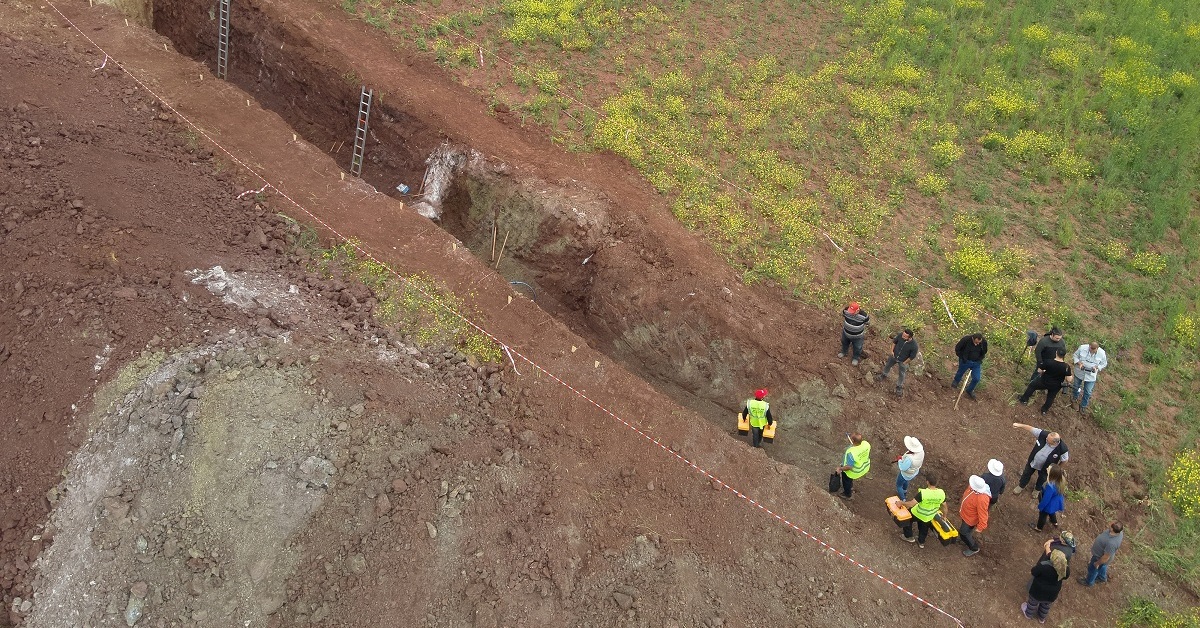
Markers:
{"x": 974, "y": 513}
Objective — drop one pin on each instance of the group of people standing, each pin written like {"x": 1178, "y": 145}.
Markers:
{"x": 1043, "y": 467}
{"x": 1053, "y": 374}
{"x": 1051, "y": 371}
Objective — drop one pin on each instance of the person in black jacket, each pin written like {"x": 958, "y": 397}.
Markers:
{"x": 1048, "y": 449}
{"x": 1045, "y": 350}
{"x": 970, "y": 351}
{"x": 1051, "y": 570}
{"x": 904, "y": 350}
{"x": 995, "y": 480}
{"x": 1053, "y": 374}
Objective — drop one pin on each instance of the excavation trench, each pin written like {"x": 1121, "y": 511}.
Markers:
{"x": 556, "y": 244}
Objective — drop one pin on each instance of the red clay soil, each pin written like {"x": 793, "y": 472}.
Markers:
{"x": 106, "y": 204}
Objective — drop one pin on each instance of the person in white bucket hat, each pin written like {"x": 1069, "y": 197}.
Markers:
{"x": 995, "y": 480}
{"x": 974, "y": 513}
{"x": 909, "y": 464}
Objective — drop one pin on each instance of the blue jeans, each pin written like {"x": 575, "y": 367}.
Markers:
{"x": 1097, "y": 573}
{"x": 976, "y": 369}
{"x": 902, "y": 487}
{"x": 1087, "y": 392}
{"x": 887, "y": 367}
{"x": 857, "y": 343}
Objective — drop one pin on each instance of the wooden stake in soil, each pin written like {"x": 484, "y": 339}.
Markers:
{"x": 493, "y": 257}
{"x": 502, "y": 245}
{"x": 963, "y": 389}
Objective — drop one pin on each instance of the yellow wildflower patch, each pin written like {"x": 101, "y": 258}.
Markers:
{"x": 1036, "y": 33}
{"x": 1183, "y": 330}
{"x": 932, "y": 184}
{"x": 1183, "y": 483}
{"x": 1149, "y": 263}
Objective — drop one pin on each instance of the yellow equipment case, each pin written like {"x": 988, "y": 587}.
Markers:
{"x": 946, "y": 531}
{"x": 898, "y": 511}
{"x": 769, "y": 432}
{"x": 743, "y": 424}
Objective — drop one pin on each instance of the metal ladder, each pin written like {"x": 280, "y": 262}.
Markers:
{"x": 223, "y": 40}
{"x": 360, "y": 135}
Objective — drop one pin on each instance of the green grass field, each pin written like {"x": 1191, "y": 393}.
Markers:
{"x": 1039, "y": 162}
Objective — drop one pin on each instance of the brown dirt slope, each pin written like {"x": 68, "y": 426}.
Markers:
{"x": 461, "y": 495}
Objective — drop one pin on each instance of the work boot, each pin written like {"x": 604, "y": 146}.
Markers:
{"x": 854, "y": 362}
{"x": 971, "y": 396}
{"x": 970, "y": 552}
{"x": 841, "y": 355}
{"x": 899, "y": 391}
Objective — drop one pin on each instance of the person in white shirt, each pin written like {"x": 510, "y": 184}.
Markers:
{"x": 1089, "y": 360}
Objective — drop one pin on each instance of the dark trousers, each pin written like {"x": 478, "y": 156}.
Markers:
{"x": 756, "y": 436}
{"x": 1037, "y": 608}
{"x": 923, "y": 528}
{"x": 1042, "y": 516}
{"x": 1040, "y": 384}
{"x": 856, "y": 343}
{"x": 887, "y": 367}
{"x": 1028, "y": 473}
{"x": 847, "y": 484}
{"x": 965, "y": 533}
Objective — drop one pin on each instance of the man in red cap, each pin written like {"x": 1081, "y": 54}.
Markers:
{"x": 854, "y": 331}
{"x": 758, "y": 412}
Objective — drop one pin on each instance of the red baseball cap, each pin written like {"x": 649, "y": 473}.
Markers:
{"x": 853, "y": 308}
{"x": 760, "y": 393}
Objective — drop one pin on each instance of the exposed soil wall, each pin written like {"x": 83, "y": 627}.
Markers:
{"x": 586, "y": 260}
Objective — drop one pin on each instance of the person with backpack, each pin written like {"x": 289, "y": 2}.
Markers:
{"x": 1053, "y": 500}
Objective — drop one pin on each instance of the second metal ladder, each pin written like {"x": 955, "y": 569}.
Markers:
{"x": 360, "y": 134}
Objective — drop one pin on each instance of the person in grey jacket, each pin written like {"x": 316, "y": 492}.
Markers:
{"x": 854, "y": 331}
{"x": 1045, "y": 350}
{"x": 904, "y": 350}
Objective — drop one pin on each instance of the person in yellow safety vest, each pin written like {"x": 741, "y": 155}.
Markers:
{"x": 855, "y": 463}
{"x": 759, "y": 414}
{"x": 930, "y": 501}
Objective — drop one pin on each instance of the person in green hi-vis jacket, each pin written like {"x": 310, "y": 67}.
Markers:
{"x": 856, "y": 462}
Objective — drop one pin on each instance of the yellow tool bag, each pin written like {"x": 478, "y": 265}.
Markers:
{"x": 898, "y": 511}
{"x": 946, "y": 531}
{"x": 743, "y": 424}
{"x": 769, "y": 432}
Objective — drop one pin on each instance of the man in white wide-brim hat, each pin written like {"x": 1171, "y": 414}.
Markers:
{"x": 974, "y": 513}
{"x": 909, "y": 464}
{"x": 995, "y": 480}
